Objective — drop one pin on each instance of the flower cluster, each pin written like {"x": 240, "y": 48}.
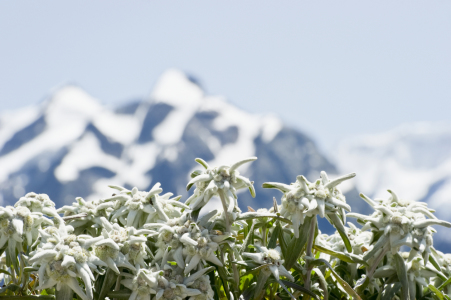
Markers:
{"x": 149, "y": 245}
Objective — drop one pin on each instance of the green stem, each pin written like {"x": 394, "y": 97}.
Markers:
{"x": 236, "y": 275}
{"x": 311, "y": 236}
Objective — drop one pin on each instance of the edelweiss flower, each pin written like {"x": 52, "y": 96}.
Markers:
{"x": 403, "y": 223}
{"x": 303, "y": 198}
{"x": 64, "y": 258}
{"x": 85, "y": 213}
{"x": 142, "y": 284}
{"x": 37, "y": 203}
{"x": 272, "y": 259}
{"x": 145, "y": 207}
{"x": 203, "y": 285}
{"x": 17, "y": 223}
{"x": 213, "y": 181}
{"x": 360, "y": 240}
{"x": 173, "y": 285}
{"x": 189, "y": 243}
{"x": 131, "y": 242}
{"x": 199, "y": 247}
{"x": 418, "y": 271}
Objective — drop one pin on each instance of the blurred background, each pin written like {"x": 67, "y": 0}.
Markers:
{"x": 130, "y": 92}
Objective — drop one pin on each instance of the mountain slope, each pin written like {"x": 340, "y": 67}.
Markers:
{"x": 71, "y": 145}
{"x": 413, "y": 160}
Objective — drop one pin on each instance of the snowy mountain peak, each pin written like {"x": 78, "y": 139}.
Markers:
{"x": 73, "y": 146}
{"x": 175, "y": 88}
{"x": 72, "y": 100}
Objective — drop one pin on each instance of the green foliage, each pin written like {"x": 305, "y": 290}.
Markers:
{"x": 146, "y": 245}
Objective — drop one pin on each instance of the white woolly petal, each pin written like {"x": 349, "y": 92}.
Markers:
{"x": 42, "y": 255}
{"x": 193, "y": 263}
{"x": 185, "y": 239}
{"x": 73, "y": 283}
{"x": 257, "y": 257}
{"x": 212, "y": 258}
{"x": 112, "y": 265}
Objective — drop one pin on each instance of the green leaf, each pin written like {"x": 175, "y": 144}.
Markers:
{"x": 195, "y": 173}
{"x": 335, "y": 220}
{"x": 248, "y": 237}
{"x": 443, "y": 285}
{"x": 195, "y": 214}
{"x": 434, "y": 262}
{"x": 189, "y": 186}
{"x": 275, "y": 185}
{"x": 122, "y": 294}
{"x": 10, "y": 287}
{"x": 252, "y": 191}
{"x": 254, "y": 215}
{"x": 299, "y": 288}
{"x": 202, "y": 162}
{"x": 108, "y": 282}
{"x": 282, "y": 241}
{"x": 390, "y": 290}
{"x": 342, "y": 282}
{"x": 402, "y": 275}
{"x": 378, "y": 245}
{"x": 346, "y": 257}
{"x": 6, "y": 272}
{"x": 275, "y": 234}
{"x": 223, "y": 275}
{"x": 296, "y": 244}
{"x": 436, "y": 292}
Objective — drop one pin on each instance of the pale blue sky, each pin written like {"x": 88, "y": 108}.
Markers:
{"x": 332, "y": 68}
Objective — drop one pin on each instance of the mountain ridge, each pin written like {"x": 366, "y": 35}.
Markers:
{"x": 71, "y": 145}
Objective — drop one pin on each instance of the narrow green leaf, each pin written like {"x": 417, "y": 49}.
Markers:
{"x": 378, "y": 245}
{"x": 254, "y": 215}
{"x": 201, "y": 162}
{"x": 195, "y": 214}
{"x": 278, "y": 186}
{"x": 248, "y": 237}
{"x": 296, "y": 244}
{"x": 275, "y": 234}
{"x": 335, "y": 220}
{"x": 122, "y": 294}
{"x": 401, "y": 270}
{"x": 195, "y": 173}
{"x": 6, "y": 272}
{"x": 434, "y": 262}
{"x": 223, "y": 275}
{"x": 252, "y": 191}
{"x": 299, "y": 288}
{"x": 189, "y": 186}
{"x": 443, "y": 285}
{"x": 390, "y": 290}
{"x": 333, "y": 253}
{"x": 108, "y": 282}
{"x": 286, "y": 290}
{"x": 11, "y": 287}
{"x": 342, "y": 282}
{"x": 436, "y": 292}
{"x": 282, "y": 241}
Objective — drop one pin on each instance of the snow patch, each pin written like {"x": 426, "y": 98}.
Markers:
{"x": 175, "y": 89}
{"x": 271, "y": 127}
{"x": 120, "y": 128}
{"x": 13, "y": 121}
{"x": 83, "y": 155}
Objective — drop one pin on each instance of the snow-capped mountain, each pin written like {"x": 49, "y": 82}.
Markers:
{"x": 71, "y": 145}
{"x": 413, "y": 160}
